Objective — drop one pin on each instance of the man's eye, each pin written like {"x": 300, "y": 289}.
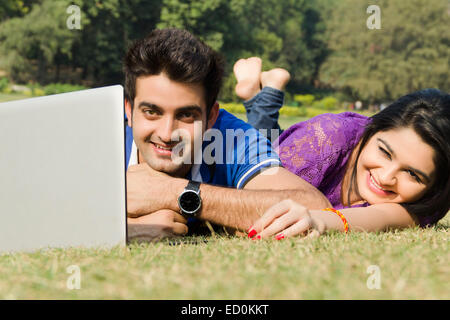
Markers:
{"x": 149, "y": 112}
{"x": 187, "y": 115}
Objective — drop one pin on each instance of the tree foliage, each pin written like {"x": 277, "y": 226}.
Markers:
{"x": 30, "y": 44}
{"x": 411, "y": 51}
{"x": 325, "y": 44}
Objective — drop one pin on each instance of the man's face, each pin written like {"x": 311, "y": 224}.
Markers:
{"x": 164, "y": 115}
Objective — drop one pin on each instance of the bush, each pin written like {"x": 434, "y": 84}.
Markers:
{"x": 304, "y": 99}
{"x": 293, "y": 111}
{"x": 330, "y": 103}
{"x": 38, "y": 92}
{"x": 4, "y": 84}
{"x": 313, "y": 112}
{"x": 233, "y": 107}
{"x": 7, "y": 90}
{"x": 285, "y": 110}
{"x": 327, "y": 103}
{"x": 55, "y": 88}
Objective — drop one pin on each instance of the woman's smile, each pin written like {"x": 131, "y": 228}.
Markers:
{"x": 375, "y": 187}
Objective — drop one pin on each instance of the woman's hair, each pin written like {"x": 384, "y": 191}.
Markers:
{"x": 427, "y": 112}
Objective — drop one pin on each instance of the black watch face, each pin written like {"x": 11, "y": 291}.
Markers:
{"x": 190, "y": 202}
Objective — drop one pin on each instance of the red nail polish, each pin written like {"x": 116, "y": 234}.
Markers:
{"x": 280, "y": 236}
{"x": 258, "y": 237}
{"x": 252, "y": 233}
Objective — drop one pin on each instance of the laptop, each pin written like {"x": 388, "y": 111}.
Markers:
{"x": 62, "y": 171}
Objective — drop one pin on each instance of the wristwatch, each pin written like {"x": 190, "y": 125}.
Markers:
{"x": 189, "y": 200}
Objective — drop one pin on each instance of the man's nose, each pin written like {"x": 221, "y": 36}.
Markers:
{"x": 165, "y": 130}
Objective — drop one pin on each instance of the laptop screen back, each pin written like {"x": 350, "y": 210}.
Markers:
{"x": 62, "y": 171}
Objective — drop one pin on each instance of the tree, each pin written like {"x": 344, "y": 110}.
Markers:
{"x": 31, "y": 44}
{"x": 108, "y": 28}
{"x": 285, "y": 34}
{"x": 409, "y": 52}
{"x": 36, "y": 46}
{"x": 15, "y": 8}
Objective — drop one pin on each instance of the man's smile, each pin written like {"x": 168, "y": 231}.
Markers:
{"x": 163, "y": 150}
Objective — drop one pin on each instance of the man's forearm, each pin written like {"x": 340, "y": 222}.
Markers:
{"x": 239, "y": 209}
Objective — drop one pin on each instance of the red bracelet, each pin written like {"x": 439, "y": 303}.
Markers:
{"x": 340, "y": 216}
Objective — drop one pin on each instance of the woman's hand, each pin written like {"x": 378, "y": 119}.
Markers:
{"x": 286, "y": 219}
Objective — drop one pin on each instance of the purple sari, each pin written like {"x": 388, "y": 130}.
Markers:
{"x": 318, "y": 150}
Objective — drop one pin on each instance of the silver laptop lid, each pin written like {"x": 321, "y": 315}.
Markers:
{"x": 62, "y": 171}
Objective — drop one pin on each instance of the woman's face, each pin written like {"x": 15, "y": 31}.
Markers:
{"x": 395, "y": 166}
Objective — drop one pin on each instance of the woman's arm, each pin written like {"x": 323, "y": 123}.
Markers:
{"x": 377, "y": 217}
{"x": 288, "y": 219}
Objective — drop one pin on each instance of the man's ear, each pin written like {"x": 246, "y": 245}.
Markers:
{"x": 128, "y": 111}
{"x": 213, "y": 114}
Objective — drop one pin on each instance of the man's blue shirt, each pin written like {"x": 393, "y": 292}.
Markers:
{"x": 232, "y": 153}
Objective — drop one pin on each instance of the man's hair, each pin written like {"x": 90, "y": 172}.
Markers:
{"x": 181, "y": 56}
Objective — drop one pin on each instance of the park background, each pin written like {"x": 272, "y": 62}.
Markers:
{"x": 334, "y": 59}
{"x": 327, "y": 46}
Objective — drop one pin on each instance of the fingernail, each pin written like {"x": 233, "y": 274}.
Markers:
{"x": 280, "y": 236}
{"x": 257, "y": 237}
{"x": 251, "y": 233}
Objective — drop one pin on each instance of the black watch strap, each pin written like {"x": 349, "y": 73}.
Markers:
{"x": 193, "y": 185}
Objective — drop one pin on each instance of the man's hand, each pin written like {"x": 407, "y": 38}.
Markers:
{"x": 149, "y": 170}
{"x": 148, "y": 190}
{"x": 156, "y": 226}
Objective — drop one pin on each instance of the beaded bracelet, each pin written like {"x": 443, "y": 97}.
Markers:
{"x": 340, "y": 216}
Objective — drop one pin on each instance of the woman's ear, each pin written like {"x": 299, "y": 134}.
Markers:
{"x": 128, "y": 111}
{"x": 213, "y": 114}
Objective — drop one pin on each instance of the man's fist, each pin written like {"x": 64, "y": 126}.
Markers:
{"x": 155, "y": 226}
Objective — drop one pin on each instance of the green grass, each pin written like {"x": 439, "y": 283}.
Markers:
{"x": 284, "y": 121}
{"x": 413, "y": 264}
{"x": 4, "y": 97}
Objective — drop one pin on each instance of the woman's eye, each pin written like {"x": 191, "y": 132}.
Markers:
{"x": 414, "y": 175}
{"x": 385, "y": 152}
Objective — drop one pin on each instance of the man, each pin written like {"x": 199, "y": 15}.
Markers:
{"x": 172, "y": 81}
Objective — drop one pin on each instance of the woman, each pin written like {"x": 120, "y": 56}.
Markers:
{"x": 388, "y": 171}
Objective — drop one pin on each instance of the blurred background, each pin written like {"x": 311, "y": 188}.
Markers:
{"x": 337, "y": 61}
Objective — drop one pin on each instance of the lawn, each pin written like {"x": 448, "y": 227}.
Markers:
{"x": 284, "y": 121}
{"x": 4, "y": 97}
{"x": 409, "y": 264}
